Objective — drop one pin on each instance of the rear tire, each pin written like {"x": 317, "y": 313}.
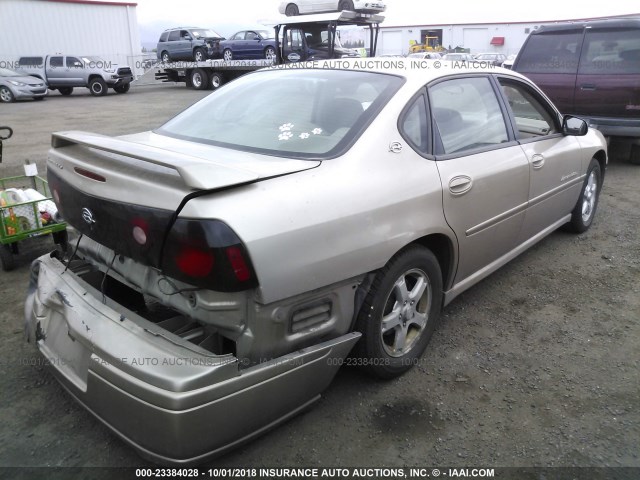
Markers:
{"x": 66, "y": 91}
{"x": 216, "y": 81}
{"x": 584, "y": 211}
{"x": 227, "y": 55}
{"x": 98, "y": 87}
{"x": 399, "y": 313}
{"x": 7, "y": 262}
{"x": 165, "y": 57}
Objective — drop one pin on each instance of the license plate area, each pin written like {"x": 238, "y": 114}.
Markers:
{"x": 64, "y": 353}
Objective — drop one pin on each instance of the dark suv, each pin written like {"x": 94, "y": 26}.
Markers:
{"x": 188, "y": 43}
{"x": 590, "y": 69}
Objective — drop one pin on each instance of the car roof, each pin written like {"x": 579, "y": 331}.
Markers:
{"x": 416, "y": 74}
{"x": 186, "y": 28}
{"x": 572, "y": 26}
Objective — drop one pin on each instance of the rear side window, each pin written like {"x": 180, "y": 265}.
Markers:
{"x": 56, "y": 62}
{"x": 553, "y": 52}
{"x": 174, "y": 36}
{"x": 30, "y": 61}
{"x": 164, "y": 37}
{"x": 467, "y": 114}
{"x": 611, "y": 52}
{"x": 414, "y": 125}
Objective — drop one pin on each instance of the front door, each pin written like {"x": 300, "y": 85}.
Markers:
{"x": 555, "y": 167}
{"x": 293, "y": 45}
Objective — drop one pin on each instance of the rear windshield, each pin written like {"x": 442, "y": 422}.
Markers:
{"x": 555, "y": 52}
{"x": 306, "y": 114}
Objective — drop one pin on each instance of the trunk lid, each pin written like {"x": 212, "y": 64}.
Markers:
{"x": 125, "y": 193}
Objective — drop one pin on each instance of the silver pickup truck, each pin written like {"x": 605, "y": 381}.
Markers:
{"x": 64, "y": 72}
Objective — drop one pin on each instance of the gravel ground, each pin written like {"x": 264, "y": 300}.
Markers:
{"x": 538, "y": 365}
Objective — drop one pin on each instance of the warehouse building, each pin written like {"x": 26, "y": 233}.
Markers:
{"x": 73, "y": 27}
{"x": 475, "y": 38}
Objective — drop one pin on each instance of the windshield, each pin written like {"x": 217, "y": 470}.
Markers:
{"x": 202, "y": 33}
{"x": 318, "y": 37}
{"x": 5, "y": 72}
{"x": 264, "y": 34}
{"x": 294, "y": 113}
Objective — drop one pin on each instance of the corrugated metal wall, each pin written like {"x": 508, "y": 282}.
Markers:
{"x": 42, "y": 27}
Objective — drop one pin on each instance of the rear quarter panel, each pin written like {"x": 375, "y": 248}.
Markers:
{"x": 344, "y": 218}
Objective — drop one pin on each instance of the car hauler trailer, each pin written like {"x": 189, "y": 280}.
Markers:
{"x": 299, "y": 39}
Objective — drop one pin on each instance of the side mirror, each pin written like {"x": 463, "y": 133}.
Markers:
{"x": 187, "y": 37}
{"x": 574, "y": 126}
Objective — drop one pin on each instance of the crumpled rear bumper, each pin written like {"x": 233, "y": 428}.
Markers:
{"x": 173, "y": 405}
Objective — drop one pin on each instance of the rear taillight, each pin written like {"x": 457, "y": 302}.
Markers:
{"x": 195, "y": 262}
{"x": 238, "y": 263}
{"x": 208, "y": 254}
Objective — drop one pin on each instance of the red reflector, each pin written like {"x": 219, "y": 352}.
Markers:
{"x": 92, "y": 175}
{"x": 240, "y": 268}
{"x": 195, "y": 263}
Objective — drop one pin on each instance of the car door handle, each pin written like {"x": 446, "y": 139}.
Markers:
{"x": 587, "y": 86}
{"x": 460, "y": 184}
{"x": 537, "y": 161}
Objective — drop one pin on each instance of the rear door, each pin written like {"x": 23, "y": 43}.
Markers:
{"x": 55, "y": 72}
{"x": 484, "y": 172}
{"x": 608, "y": 83}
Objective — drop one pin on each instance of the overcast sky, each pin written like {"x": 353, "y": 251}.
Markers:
{"x": 209, "y": 13}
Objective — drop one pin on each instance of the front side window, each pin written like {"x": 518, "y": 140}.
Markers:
{"x": 532, "y": 118}
{"x": 316, "y": 115}
{"x": 467, "y": 114}
{"x": 73, "y": 62}
{"x": 610, "y": 52}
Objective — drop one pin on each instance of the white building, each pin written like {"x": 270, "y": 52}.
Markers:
{"x": 504, "y": 38}
{"x": 107, "y": 29}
